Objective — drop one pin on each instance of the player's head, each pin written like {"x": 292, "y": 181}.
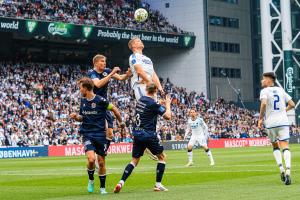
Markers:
{"x": 151, "y": 89}
{"x": 268, "y": 79}
{"x": 86, "y": 85}
{"x": 99, "y": 62}
{"x": 193, "y": 112}
{"x": 135, "y": 44}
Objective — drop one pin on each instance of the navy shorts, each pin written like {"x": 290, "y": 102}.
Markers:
{"x": 97, "y": 146}
{"x": 141, "y": 143}
{"x": 110, "y": 120}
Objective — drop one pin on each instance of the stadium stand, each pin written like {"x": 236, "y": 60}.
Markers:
{"x": 36, "y": 99}
{"x": 117, "y": 14}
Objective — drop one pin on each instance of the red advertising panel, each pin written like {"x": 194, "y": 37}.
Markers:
{"x": 78, "y": 150}
{"x": 234, "y": 143}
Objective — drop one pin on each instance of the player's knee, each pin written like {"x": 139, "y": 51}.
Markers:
{"x": 162, "y": 157}
{"x": 91, "y": 160}
{"x": 101, "y": 164}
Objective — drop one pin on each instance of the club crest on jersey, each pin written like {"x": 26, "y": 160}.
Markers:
{"x": 104, "y": 74}
{"x": 93, "y": 105}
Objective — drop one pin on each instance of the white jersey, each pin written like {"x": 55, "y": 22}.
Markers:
{"x": 146, "y": 64}
{"x": 277, "y": 98}
{"x": 198, "y": 127}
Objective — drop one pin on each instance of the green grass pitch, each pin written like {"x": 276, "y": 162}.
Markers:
{"x": 242, "y": 173}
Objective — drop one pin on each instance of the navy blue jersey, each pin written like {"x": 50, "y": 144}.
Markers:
{"x": 93, "y": 74}
{"x": 93, "y": 113}
{"x": 147, "y": 111}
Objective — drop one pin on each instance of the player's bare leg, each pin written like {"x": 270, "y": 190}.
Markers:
{"x": 190, "y": 155}
{"x": 91, "y": 170}
{"x": 102, "y": 174}
{"x": 160, "y": 169}
{"x": 128, "y": 170}
{"x": 287, "y": 159}
{"x": 209, "y": 155}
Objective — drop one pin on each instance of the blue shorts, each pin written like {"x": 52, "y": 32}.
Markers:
{"x": 97, "y": 146}
{"x": 110, "y": 120}
{"x": 141, "y": 143}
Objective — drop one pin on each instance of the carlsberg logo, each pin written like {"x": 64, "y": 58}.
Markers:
{"x": 87, "y": 31}
{"x": 187, "y": 40}
{"x": 10, "y": 25}
{"x": 31, "y": 25}
{"x": 58, "y": 29}
{"x": 289, "y": 79}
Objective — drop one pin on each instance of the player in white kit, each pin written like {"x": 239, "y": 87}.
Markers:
{"x": 273, "y": 112}
{"x": 143, "y": 73}
{"x": 199, "y": 136}
{"x": 142, "y": 69}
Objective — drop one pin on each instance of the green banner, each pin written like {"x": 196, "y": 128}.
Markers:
{"x": 59, "y": 29}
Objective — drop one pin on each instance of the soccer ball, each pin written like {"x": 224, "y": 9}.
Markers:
{"x": 140, "y": 15}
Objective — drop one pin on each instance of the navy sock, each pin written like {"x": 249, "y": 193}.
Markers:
{"x": 91, "y": 174}
{"x": 160, "y": 169}
{"x": 129, "y": 168}
{"x": 102, "y": 180}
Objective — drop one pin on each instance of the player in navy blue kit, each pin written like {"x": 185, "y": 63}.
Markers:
{"x": 101, "y": 77}
{"x": 145, "y": 136}
{"x": 93, "y": 129}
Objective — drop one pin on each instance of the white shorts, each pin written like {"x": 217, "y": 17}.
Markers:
{"x": 279, "y": 133}
{"x": 198, "y": 141}
{"x": 139, "y": 90}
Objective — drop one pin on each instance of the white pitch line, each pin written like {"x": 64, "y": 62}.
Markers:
{"x": 140, "y": 172}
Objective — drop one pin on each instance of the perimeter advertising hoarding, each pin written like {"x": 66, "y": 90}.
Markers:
{"x": 41, "y": 28}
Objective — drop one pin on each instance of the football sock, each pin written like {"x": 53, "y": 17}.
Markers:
{"x": 91, "y": 174}
{"x": 160, "y": 169}
{"x": 190, "y": 155}
{"x": 102, "y": 180}
{"x": 278, "y": 158}
{"x": 209, "y": 154}
{"x": 129, "y": 168}
{"x": 287, "y": 159}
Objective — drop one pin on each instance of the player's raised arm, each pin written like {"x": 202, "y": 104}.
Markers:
{"x": 157, "y": 82}
{"x": 101, "y": 82}
{"x": 122, "y": 77}
{"x": 168, "y": 113}
{"x": 141, "y": 73}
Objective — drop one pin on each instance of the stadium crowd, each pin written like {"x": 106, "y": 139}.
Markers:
{"x": 117, "y": 13}
{"x": 36, "y": 100}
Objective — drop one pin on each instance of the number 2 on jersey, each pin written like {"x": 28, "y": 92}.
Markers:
{"x": 276, "y": 100}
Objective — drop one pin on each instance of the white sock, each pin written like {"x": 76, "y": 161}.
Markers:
{"x": 190, "y": 156}
{"x": 287, "y": 159}
{"x": 158, "y": 184}
{"x": 278, "y": 158}
{"x": 209, "y": 154}
{"x": 121, "y": 182}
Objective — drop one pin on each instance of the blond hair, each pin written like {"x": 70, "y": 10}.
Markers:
{"x": 131, "y": 41}
{"x": 98, "y": 57}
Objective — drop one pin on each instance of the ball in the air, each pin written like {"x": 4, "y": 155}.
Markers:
{"x": 140, "y": 15}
